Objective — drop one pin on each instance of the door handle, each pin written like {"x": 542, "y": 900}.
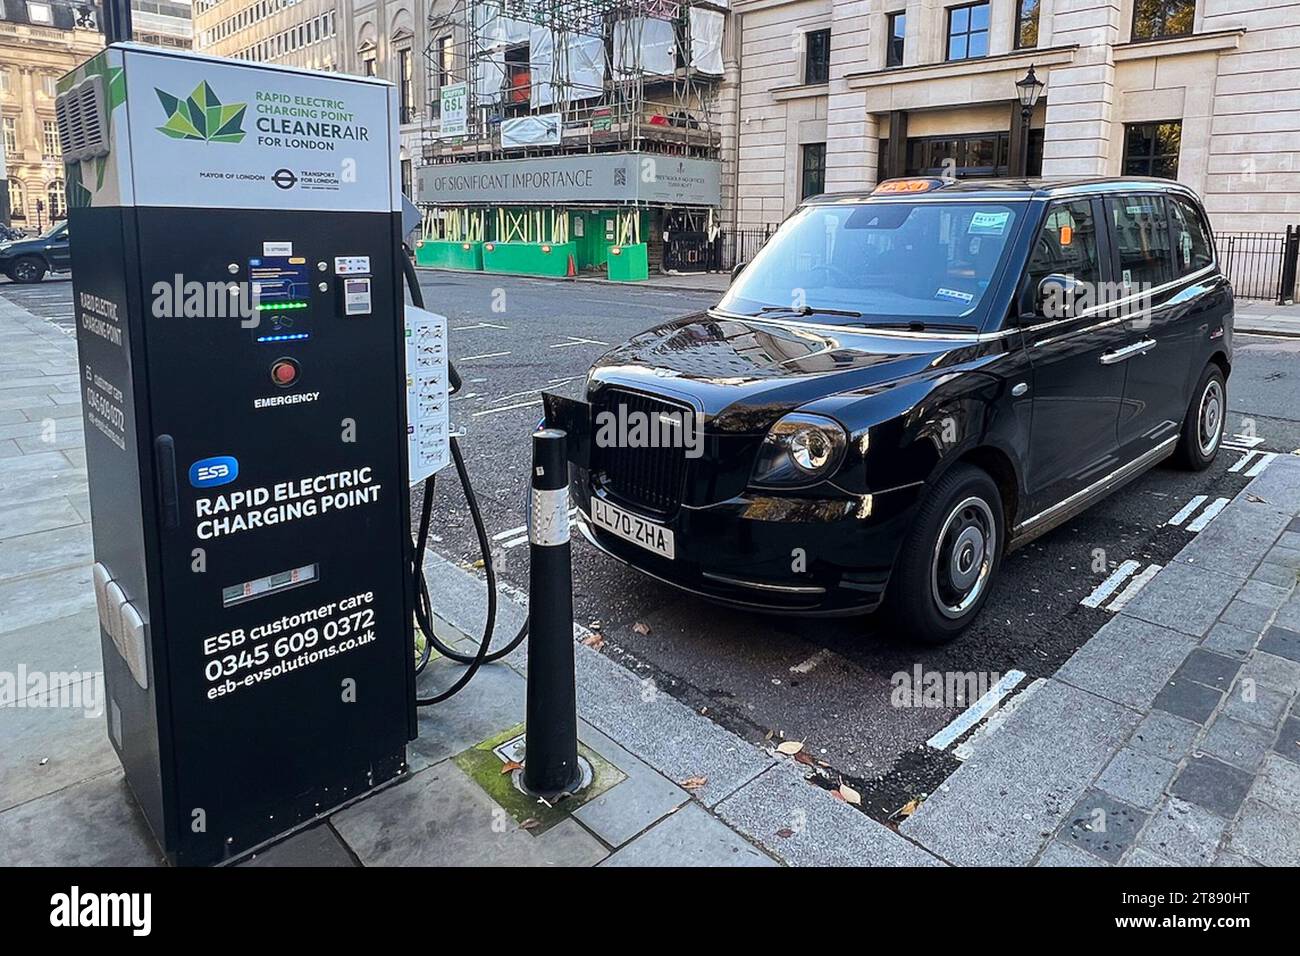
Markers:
{"x": 1127, "y": 352}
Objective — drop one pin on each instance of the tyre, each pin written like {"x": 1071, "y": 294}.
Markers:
{"x": 1202, "y": 432}
{"x": 950, "y": 559}
{"x": 27, "y": 269}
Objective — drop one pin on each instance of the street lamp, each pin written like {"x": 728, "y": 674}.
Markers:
{"x": 1028, "y": 89}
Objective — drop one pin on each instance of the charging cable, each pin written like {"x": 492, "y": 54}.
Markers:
{"x": 423, "y": 602}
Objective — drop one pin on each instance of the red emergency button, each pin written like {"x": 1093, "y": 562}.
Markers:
{"x": 284, "y": 372}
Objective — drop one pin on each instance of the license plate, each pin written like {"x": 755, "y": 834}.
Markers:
{"x": 647, "y": 534}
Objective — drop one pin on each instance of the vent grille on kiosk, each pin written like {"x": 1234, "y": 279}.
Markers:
{"x": 650, "y": 479}
{"x": 82, "y": 120}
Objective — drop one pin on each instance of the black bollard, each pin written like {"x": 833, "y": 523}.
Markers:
{"x": 551, "y": 735}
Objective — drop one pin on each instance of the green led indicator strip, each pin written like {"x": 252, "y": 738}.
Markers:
{"x": 280, "y": 306}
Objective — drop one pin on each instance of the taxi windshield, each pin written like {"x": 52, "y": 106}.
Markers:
{"x": 880, "y": 262}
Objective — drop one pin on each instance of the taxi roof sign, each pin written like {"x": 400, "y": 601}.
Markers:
{"x": 908, "y": 185}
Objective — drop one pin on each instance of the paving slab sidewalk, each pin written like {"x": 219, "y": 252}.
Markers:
{"x": 1172, "y": 736}
{"x": 63, "y": 799}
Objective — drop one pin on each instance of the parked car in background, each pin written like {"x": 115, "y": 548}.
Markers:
{"x": 28, "y": 260}
{"x": 903, "y": 385}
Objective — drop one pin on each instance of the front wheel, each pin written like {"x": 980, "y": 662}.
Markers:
{"x": 951, "y": 556}
{"x": 28, "y": 269}
{"x": 1203, "y": 425}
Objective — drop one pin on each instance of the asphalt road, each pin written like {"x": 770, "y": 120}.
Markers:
{"x": 825, "y": 682}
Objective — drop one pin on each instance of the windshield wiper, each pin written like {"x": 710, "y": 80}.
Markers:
{"x": 918, "y": 326}
{"x": 808, "y": 310}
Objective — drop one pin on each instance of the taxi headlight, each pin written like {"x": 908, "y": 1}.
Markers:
{"x": 800, "y": 449}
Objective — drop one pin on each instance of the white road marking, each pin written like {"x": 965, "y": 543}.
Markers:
{"x": 1209, "y": 514}
{"x": 554, "y": 383}
{"x": 811, "y": 663}
{"x": 577, "y": 341}
{"x": 1241, "y": 462}
{"x": 507, "y": 408}
{"x": 480, "y": 325}
{"x": 1186, "y": 511}
{"x": 1107, "y": 587}
{"x": 515, "y": 542}
{"x": 1243, "y": 441}
{"x": 1260, "y": 465}
{"x": 1133, "y": 588}
{"x": 976, "y": 712}
{"x": 485, "y": 355}
{"x": 996, "y": 721}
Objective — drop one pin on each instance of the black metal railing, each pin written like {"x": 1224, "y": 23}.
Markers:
{"x": 741, "y": 245}
{"x": 694, "y": 252}
{"x": 1260, "y": 265}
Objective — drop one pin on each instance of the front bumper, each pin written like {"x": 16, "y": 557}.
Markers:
{"x": 784, "y": 555}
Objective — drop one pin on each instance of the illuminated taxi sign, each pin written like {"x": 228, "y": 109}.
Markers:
{"x": 908, "y": 185}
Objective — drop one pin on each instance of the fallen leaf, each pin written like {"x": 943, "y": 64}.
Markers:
{"x": 531, "y": 823}
{"x": 594, "y": 641}
{"x": 785, "y": 833}
{"x": 907, "y": 809}
{"x": 477, "y": 564}
{"x": 1256, "y": 499}
{"x": 641, "y": 628}
{"x": 694, "y": 783}
{"x": 849, "y": 795}
{"x": 804, "y": 759}
{"x": 837, "y": 795}
{"x": 789, "y": 747}
{"x": 510, "y": 766}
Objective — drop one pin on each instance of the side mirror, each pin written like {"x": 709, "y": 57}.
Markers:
{"x": 1055, "y": 296}
{"x": 736, "y": 269}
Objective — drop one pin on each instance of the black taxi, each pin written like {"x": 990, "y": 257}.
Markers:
{"x": 904, "y": 385}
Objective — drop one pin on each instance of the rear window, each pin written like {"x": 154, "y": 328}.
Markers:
{"x": 1141, "y": 234}
{"x": 1193, "y": 247}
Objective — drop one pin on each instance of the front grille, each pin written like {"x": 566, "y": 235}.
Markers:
{"x": 650, "y": 479}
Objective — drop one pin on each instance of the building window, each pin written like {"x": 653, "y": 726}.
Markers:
{"x": 968, "y": 31}
{"x": 896, "y": 38}
{"x": 17, "y": 200}
{"x": 813, "y": 178}
{"x": 444, "y": 61}
{"x": 405, "y": 88}
{"x": 58, "y": 204}
{"x": 4, "y": 79}
{"x": 817, "y": 56}
{"x": 50, "y": 84}
{"x": 1027, "y": 23}
{"x": 39, "y": 13}
{"x": 406, "y": 178}
{"x": 50, "y": 139}
{"x": 11, "y": 135}
{"x": 1154, "y": 19}
{"x": 1151, "y": 149}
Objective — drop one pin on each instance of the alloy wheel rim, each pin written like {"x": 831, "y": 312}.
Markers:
{"x": 1209, "y": 418}
{"x": 26, "y": 271}
{"x": 963, "y": 557}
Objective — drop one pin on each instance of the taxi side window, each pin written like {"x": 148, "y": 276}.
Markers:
{"x": 1140, "y": 232}
{"x": 1193, "y": 249}
{"x": 1066, "y": 245}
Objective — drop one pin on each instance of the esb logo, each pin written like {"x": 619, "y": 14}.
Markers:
{"x": 210, "y": 472}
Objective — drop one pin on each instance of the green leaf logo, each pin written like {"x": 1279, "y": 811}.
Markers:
{"x": 202, "y": 116}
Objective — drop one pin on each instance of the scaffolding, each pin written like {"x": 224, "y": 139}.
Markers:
{"x": 545, "y": 77}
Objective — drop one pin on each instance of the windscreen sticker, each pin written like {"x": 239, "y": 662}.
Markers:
{"x": 953, "y": 294}
{"x": 988, "y": 223}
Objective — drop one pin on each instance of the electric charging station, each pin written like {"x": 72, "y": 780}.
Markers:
{"x": 237, "y": 282}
